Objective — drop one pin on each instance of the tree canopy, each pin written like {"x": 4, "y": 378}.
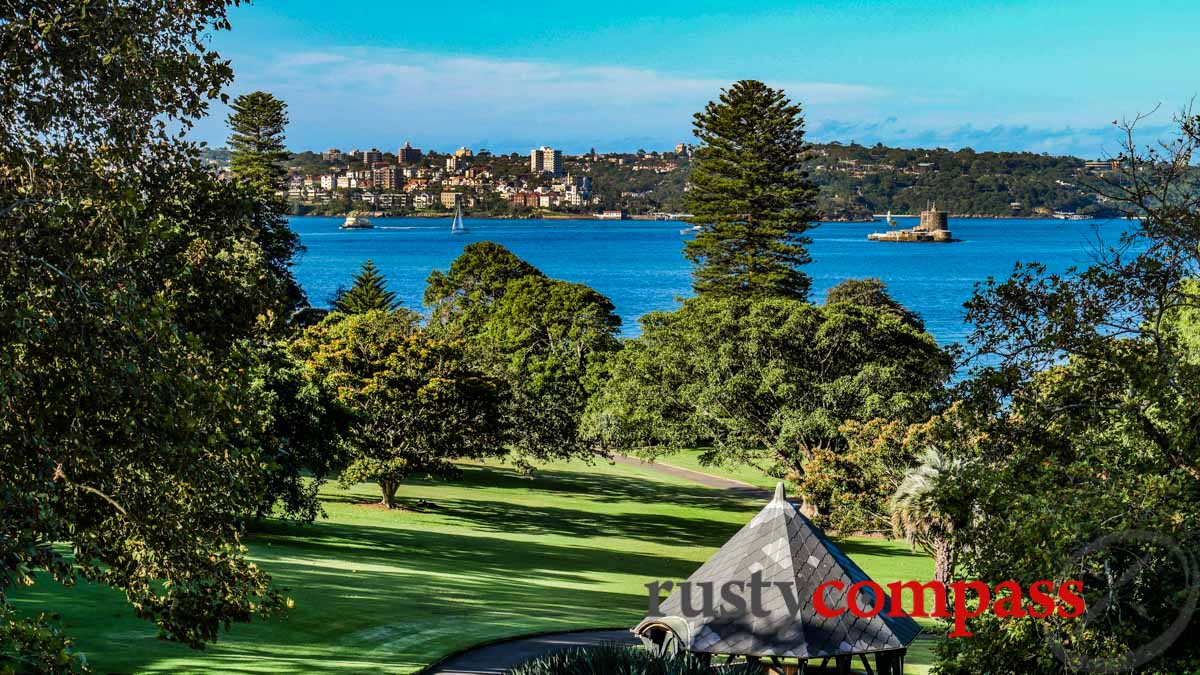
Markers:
{"x": 460, "y": 298}
{"x": 765, "y": 381}
{"x": 541, "y": 336}
{"x": 1088, "y": 436}
{"x": 751, "y": 195}
{"x": 258, "y": 121}
{"x": 871, "y": 292}
{"x": 416, "y": 401}
{"x": 133, "y": 290}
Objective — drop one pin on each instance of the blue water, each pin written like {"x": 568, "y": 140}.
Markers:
{"x": 640, "y": 264}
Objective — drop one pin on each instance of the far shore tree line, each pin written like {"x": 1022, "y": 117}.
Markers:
{"x": 164, "y": 383}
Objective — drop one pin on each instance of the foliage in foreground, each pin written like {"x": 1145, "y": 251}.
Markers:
{"x": 622, "y": 660}
{"x": 369, "y": 292}
{"x": 1084, "y": 460}
{"x": 134, "y": 288}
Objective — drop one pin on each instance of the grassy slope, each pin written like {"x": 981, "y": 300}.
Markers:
{"x": 501, "y": 555}
{"x": 690, "y": 459}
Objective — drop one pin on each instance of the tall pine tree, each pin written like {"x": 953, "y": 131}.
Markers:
{"x": 257, "y": 153}
{"x": 750, "y": 195}
{"x": 368, "y": 293}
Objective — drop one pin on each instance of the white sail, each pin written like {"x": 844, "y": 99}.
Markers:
{"x": 457, "y": 226}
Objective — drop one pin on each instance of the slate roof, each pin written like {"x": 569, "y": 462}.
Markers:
{"x": 786, "y": 547}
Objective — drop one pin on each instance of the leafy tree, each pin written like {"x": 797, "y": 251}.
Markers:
{"x": 369, "y": 293}
{"x": 133, "y": 289}
{"x": 541, "y": 338}
{"x": 539, "y": 335}
{"x": 770, "y": 381}
{"x": 862, "y": 477}
{"x": 871, "y": 292}
{"x": 417, "y": 403}
{"x": 303, "y": 439}
{"x": 460, "y": 298}
{"x": 257, "y": 153}
{"x": 751, "y": 195}
{"x": 1091, "y": 430}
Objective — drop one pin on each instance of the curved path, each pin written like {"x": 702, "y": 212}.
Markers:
{"x": 499, "y": 657}
{"x": 706, "y": 479}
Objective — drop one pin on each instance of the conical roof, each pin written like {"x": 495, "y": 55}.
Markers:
{"x": 787, "y": 549}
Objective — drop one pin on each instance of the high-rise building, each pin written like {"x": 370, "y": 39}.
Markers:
{"x": 546, "y": 160}
{"x": 455, "y": 163}
{"x": 387, "y": 177}
{"x": 463, "y": 152}
{"x": 371, "y": 156}
{"x": 408, "y": 154}
{"x": 332, "y": 155}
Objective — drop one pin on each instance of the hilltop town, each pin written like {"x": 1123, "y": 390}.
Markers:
{"x": 855, "y": 182}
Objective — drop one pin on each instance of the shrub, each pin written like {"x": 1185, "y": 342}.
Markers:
{"x": 612, "y": 659}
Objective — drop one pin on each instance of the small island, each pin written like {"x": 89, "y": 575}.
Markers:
{"x": 933, "y": 229}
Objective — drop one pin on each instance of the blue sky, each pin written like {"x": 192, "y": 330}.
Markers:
{"x": 1046, "y": 76}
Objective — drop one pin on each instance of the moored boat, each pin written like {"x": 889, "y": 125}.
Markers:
{"x": 356, "y": 222}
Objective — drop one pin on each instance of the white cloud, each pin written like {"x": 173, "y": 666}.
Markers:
{"x": 1088, "y": 142}
{"x": 362, "y": 97}
{"x": 372, "y": 96}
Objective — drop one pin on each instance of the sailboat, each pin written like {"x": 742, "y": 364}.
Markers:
{"x": 457, "y": 226}
{"x": 891, "y": 222}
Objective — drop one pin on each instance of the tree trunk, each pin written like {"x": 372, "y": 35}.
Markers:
{"x": 943, "y": 561}
{"x": 808, "y": 507}
{"x": 389, "y": 487}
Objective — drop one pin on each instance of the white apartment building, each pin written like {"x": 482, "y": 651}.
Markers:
{"x": 546, "y": 160}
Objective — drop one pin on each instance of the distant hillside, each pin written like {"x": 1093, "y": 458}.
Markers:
{"x": 855, "y": 181}
{"x": 218, "y": 155}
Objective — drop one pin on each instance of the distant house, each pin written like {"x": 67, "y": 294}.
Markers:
{"x": 1101, "y": 166}
{"x": 524, "y": 199}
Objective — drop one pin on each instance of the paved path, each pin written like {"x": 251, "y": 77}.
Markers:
{"x": 495, "y": 659}
{"x": 706, "y": 479}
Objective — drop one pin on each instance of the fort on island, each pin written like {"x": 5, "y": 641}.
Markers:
{"x": 932, "y": 229}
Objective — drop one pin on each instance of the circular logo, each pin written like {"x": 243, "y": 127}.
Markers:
{"x": 1113, "y": 569}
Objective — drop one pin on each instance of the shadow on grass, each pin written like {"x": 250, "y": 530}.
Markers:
{"x": 496, "y": 516}
{"x": 599, "y": 487}
{"x": 879, "y": 548}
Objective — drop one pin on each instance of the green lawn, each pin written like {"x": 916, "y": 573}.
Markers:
{"x": 690, "y": 459}
{"x": 496, "y": 555}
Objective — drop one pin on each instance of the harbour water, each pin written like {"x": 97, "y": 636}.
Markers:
{"x": 640, "y": 264}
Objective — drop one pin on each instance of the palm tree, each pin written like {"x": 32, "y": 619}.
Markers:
{"x": 920, "y": 513}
